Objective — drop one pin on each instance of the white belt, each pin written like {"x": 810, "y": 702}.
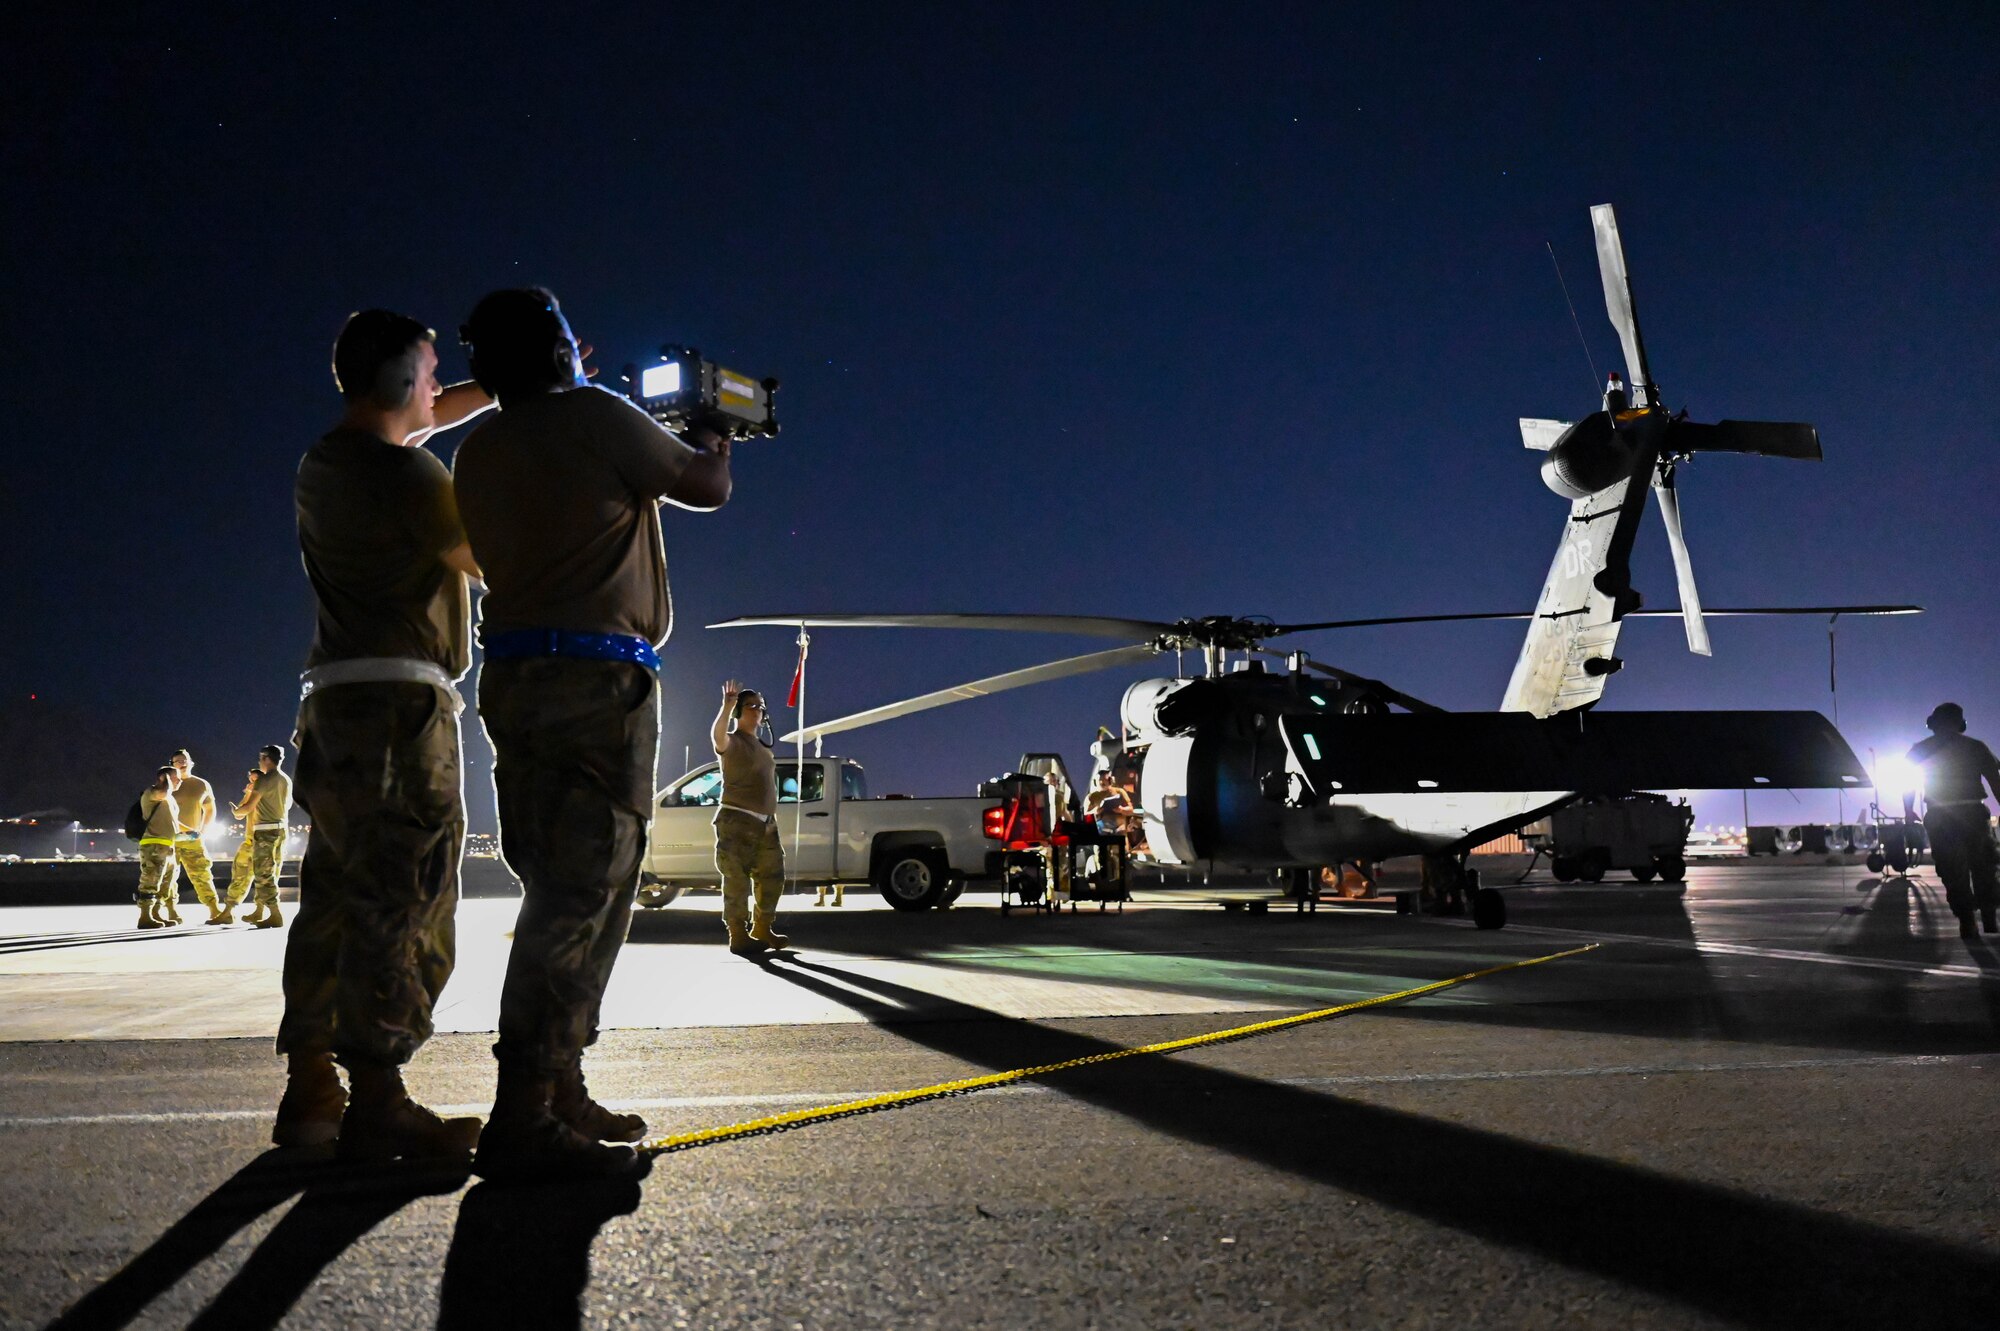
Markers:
{"x": 381, "y": 670}
{"x": 760, "y": 817}
{"x": 267, "y": 827}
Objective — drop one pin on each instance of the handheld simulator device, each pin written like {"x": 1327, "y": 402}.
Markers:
{"x": 683, "y": 391}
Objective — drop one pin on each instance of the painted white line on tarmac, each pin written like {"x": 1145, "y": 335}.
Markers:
{"x": 1771, "y": 953}
{"x": 784, "y": 1098}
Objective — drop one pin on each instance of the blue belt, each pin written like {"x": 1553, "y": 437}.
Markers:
{"x": 519, "y": 644}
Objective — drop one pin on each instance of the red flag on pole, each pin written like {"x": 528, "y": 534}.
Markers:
{"x": 798, "y": 676}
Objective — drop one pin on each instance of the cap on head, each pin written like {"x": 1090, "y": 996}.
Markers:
{"x": 375, "y": 358}
{"x": 275, "y": 752}
{"x": 1947, "y": 716}
{"x": 519, "y": 343}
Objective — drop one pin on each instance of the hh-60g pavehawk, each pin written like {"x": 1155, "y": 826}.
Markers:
{"x": 1244, "y": 768}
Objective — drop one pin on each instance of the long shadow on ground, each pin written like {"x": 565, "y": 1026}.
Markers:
{"x": 337, "y": 1204}
{"x": 520, "y": 1256}
{"x": 1761, "y": 1262}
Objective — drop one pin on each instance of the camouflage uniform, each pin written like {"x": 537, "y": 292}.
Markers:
{"x": 374, "y": 938}
{"x": 576, "y": 744}
{"x": 258, "y": 862}
{"x": 156, "y": 867}
{"x": 192, "y": 856}
{"x": 748, "y": 851}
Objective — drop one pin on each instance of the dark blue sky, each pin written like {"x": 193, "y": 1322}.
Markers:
{"x": 1149, "y": 310}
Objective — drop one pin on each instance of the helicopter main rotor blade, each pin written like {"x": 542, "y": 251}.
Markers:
{"x": 1670, "y": 514}
{"x": 1375, "y": 686}
{"x": 1618, "y": 300}
{"x": 1770, "y": 439}
{"x": 1630, "y": 614}
{"x": 978, "y": 688}
{"x": 1095, "y": 626}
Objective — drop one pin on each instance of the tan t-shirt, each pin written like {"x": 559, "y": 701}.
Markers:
{"x": 560, "y": 494}
{"x": 159, "y": 810}
{"x": 749, "y": 775}
{"x": 274, "y": 800}
{"x": 374, "y": 520}
{"x": 188, "y": 799}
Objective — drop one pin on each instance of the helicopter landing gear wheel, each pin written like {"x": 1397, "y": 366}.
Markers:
{"x": 1489, "y": 909}
{"x": 1564, "y": 869}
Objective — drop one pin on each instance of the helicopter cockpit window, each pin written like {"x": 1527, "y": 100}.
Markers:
{"x": 703, "y": 789}
{"x": 788, "y": 783}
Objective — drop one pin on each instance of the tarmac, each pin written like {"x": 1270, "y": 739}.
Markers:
{"x": 1767, "y": 1099}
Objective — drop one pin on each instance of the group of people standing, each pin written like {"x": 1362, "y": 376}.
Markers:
{"x": 554, "y": 503}
{"x": 177, "y": 810}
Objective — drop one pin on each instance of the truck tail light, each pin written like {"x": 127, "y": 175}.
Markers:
{"x": 994, "y": 822}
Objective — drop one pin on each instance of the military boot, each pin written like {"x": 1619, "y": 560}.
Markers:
{"x": 764, "y": 933}
{"x": 310, "y": 1112}
{"x": 570, "y": 1101}
{"x": 524, "y": 1142}
{"x": 839, "y": 894}
{"x": 147, "y": 919}
{"x": 741, "y": 942}
{"x": 819, "y": 897}
{"x": 272, "y": 919}
{"x": 383, "y": 1123}
{"x": 169, "y": 909}
{"x": 1967, "y": 926}
{"x": 1989, "y": 919}
{"x": 256, "y": 915}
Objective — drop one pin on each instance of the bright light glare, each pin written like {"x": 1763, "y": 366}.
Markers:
{"x": 660, "y": 380}
{"x": 1895, "y": 777}
{"x": 1312, "y": 747}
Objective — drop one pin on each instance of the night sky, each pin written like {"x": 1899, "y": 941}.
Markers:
{"x": 1150, "y": 310}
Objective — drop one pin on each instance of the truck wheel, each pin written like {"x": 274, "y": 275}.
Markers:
{"x": 911, "y": 879}
{"x": 1643, "y": 873}
{"x": 655, "y": 893}
{"x": 1672, "y": 868}
{"x": 1564, "y": 869}
{"x": 953, "y": 890}
{"x": 1591, "y": 869}
{"x": 1489, "y": 909}
{"x": 1876, "y": 859}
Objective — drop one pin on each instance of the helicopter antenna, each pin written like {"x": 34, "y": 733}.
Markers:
{"x": 1595, "y": 380}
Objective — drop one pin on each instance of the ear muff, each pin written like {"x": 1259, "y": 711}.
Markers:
{"x": 395, "y": 381}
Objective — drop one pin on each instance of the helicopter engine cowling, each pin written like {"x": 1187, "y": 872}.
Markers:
{"x": 1592, "y": 455}
{"x": 1139, "y": 710}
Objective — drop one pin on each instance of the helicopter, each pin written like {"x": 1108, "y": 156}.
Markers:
{"x": 1246, "y": 769}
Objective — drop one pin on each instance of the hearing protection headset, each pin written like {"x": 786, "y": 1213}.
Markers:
{"x": 530, "y": 305}
{"x": 383, "y": 347}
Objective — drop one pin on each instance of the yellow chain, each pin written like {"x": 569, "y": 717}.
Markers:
{"x": 795, "y": 1118}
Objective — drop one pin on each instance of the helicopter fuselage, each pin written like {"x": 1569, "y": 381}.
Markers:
{"x": 1219, "y": 784}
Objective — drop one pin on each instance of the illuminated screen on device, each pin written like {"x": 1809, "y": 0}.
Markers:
{"x": 660, "y": 380}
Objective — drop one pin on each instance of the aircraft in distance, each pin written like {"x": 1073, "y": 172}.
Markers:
{"x": 1242, "y": 768}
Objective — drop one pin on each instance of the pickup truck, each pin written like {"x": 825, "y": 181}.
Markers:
{"x": 919, "y": 853}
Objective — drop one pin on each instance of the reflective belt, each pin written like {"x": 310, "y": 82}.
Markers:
{"x": 381, "y": 670}
{"x": 266, "y": 827}
{"x": 156, "y": 841}
{"x": 517, "y": 644}
{"x": 760, "y": 817}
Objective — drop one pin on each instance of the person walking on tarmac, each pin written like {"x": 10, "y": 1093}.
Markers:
{"x": 156, "y": 846}
{"x": 378, "y": 767}
{"x": 561, "y": 497}
{"x": 1955, "y": 819}
{"x": 195, "y": 799}
{"x": 267, "y": 801}
{"x": 749, "y": 854}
